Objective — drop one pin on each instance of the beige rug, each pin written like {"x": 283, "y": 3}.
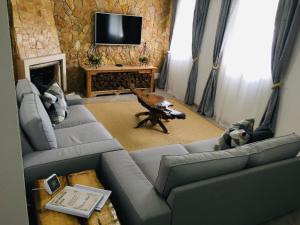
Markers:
{"x": 119, "y": 119}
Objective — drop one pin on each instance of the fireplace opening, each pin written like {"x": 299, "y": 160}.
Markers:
{"x": 44, "y": 75}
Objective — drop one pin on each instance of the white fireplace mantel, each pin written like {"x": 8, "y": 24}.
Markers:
{"x": 24, "y": 66}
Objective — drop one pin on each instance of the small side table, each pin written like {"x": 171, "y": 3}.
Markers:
{"x": 107, "y": 216}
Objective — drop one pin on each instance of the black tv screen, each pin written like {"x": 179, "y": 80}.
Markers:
{"x": 117, "y": 29}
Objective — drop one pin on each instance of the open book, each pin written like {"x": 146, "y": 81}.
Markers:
{"x": 75, "y": 201}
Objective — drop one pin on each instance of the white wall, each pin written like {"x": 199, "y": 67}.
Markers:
{"x": 289, "y": 108}
{"x": 13, "y": 210}
{"x": 206, "y": 54}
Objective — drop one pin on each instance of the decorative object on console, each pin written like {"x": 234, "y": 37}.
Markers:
{"x": 144, "y": 57}
{"x": 94, "y": 56}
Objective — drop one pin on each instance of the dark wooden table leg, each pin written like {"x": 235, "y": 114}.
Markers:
{"x": 163, "y": 126}
{"x": 142, "y": 114}
{"x": 142, "y": 122}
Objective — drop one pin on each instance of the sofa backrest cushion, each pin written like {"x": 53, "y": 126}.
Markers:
{"x": 36, "y": 123}
{"x": 25, "y": 87}
{"x": 272, "y": 150}
{"x": 26, "y": 146}
{"x": 178, "y": 170}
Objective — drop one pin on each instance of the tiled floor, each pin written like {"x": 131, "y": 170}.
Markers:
{"x": 290, "y": 219}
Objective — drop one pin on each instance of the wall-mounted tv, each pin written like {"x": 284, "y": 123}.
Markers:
{"x": 117, "y": 29}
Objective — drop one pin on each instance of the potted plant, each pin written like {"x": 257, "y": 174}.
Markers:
{"x": 144, "y": 60}
{"x": 94, "y": 56}
{"x": 144, "y": 57}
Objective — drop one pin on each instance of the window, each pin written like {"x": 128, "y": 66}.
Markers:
{"x": 244, "y": 84}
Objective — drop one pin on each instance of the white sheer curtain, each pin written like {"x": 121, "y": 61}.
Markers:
{"x": 181, "y": 49}
{"x": 244, "y": 84}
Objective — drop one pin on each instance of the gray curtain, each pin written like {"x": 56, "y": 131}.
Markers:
{"x": 165, "y": 68}
{"x": 207, "y": 103}
{"x": 287, "y": 24}
{"x": 199, "y": 21}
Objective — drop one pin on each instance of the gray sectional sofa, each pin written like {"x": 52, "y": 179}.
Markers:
{"x": 169, "y": 185}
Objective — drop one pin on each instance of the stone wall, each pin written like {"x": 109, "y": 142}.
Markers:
{"x": 33, "y": 28}
{"x": 75, "y": 24}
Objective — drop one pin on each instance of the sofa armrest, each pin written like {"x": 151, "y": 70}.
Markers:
{"x": 132, "y": 193}
{"x": 74, "y": 100}
{"x": 62, "y": 161}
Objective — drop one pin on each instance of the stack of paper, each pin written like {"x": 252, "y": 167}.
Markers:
{"x": 75, "y": 201}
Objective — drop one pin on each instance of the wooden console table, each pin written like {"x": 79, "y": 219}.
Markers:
{"x": 112, "y": 79}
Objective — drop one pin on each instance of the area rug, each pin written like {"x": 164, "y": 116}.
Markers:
{"x": 119, "y": 119}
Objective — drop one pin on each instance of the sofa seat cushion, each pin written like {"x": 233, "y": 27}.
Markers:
{"x": 77, "y": 115}
{"x": 81, "y": 134}
{"x": 67, "y": 160}
{"x": 272, "y": 150}
{"x": 25, "y": 87}
{"x": 179, "y": 170}
{"x": 149, "y": 159}
{"x": 202, "y": 146}
{"x": 74, "y": 100}
{"x": 36, "y": 123}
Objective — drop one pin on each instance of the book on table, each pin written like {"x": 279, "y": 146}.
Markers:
{"x": 75, "y": 201}
{"x": 106, "y": 194}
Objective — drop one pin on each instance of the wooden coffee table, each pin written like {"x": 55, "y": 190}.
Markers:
{"x": 107, "y": 216}
{"x": 158, "y": 109}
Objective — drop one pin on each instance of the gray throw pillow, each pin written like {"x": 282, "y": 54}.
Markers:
{"x": 26, "y": 146}
{"x": 179, "y": 170}
{"x": 55, "y": 103}
{"x": 36, "y": 123}
{"x": 238, "y": 134}
{"x": 25, "y": 87}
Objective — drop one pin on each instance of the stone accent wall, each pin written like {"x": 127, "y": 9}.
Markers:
{"x": 75, "y": 24}
{"x": 33, "y": 29}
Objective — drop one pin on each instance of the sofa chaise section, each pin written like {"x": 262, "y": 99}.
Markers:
{"x": 135, "y": 198}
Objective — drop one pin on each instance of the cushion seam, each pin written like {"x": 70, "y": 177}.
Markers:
{"x": 180, "y": 164}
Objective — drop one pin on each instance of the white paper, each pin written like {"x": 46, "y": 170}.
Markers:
{"x": 105, "y": 193}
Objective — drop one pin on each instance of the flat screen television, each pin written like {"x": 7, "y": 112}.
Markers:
{"x": 117, "y": 29}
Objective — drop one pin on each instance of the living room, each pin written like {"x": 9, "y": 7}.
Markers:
{"x": 175, "y": 112}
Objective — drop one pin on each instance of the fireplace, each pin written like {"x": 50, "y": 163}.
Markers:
{"x": 43, "y": 70}
{"x": 43, "y": 75}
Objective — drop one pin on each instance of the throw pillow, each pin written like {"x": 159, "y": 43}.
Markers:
{"x": 36, "y": 123}
{"x": 55, "y": 103}
{"x": 238, "y": 134}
